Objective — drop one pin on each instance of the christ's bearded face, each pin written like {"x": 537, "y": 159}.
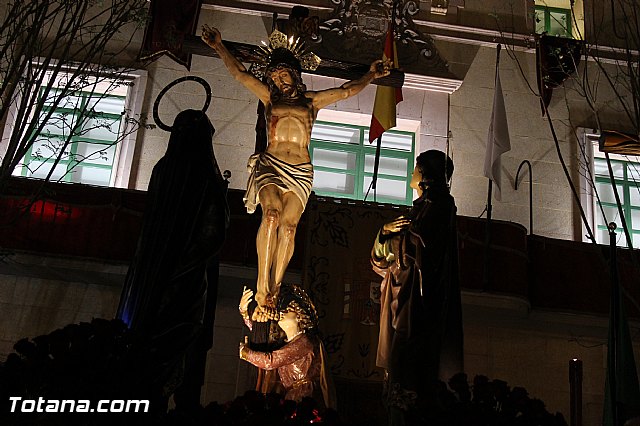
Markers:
{"x": 285, "y": 82}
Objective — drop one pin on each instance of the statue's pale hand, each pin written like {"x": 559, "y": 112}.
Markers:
{"x": 396, "y": 225}
{"x": 245, "y": 299}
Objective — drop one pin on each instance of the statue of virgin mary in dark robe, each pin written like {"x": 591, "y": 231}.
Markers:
{"x": 184, "y": 226}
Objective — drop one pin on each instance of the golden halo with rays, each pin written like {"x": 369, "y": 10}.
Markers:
{"x": 278, "y": 40}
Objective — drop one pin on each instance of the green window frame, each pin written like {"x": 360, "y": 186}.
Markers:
{"x": 91, "y": 152}
{"x": 341, "y": 154}
{"x": 550, "y": 20}
{"x": 627, "y": 179}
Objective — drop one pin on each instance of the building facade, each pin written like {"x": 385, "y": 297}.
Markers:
{"x": 505, "y": 337}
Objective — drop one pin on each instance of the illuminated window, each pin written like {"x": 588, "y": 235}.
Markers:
{"x": 627, "y": 179}
{"x": 598, "y": 197}
{"x": 86, "y": 126}
{"x": 343, "y": 163}
{"x": 553, "y": 21}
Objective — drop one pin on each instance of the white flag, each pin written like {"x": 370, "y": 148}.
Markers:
{"x": 498, "y": 139}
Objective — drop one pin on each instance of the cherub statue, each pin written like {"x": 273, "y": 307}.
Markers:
{"x": 301, "y": 361}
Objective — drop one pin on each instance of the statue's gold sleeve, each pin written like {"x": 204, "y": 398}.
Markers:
{"x": 382, "y": 250}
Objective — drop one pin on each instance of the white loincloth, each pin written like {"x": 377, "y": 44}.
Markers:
{"x": 265, "y": 169}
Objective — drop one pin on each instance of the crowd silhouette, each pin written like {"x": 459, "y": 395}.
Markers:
{"x": 94, "y": 361}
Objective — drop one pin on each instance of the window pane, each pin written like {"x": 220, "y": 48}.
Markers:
{"x": 109, "y": 105}
{"x": 346, "y": 152}
{"x": 634, "y": 194}
{"x": 601, "y": 168}
{"x": 326, "y": 132}
{"x": 558, "y": 24}
{"x": 635, "y": 219}
{"x": 39, "y": 169}
{"x": 91, "y": 175}
{"x": 397, "y": 141}
{"x": 602, "y": 236}
{"x": 70, "y": 102}
{"x": 633, "y": 172}
{"x": 101, "y": 128}
{"x": 60, "y": 124}
{"x": 388, "y": 166}
{"x": 636, "y": 240}
{"x": 335, "y": 159}
{"x": 605, "y": 191}
{"x": 48, "y": 148}
{"x": 621, "y": 240}
{"x": 90, "y": 113}
{"x": 95, "y": 154}
{"x": 387, "y": 188}
{"x": 611, "y": 216}
{"x": 334, "y": 182}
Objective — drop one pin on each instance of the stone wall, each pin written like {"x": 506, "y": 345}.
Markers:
{"x": 233, "y": 113}
{"x": 531, "y": 139}
{"x": 465, "y": 113}
{"x": 233, "y": 108}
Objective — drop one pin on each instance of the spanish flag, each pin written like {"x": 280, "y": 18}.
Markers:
{"x": 384, "y": 107}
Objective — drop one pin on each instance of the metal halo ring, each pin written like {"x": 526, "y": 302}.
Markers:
{"x": 202, "y": 81}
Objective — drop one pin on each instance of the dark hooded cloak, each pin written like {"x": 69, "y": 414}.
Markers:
{"x": 184, "y": 225}
{"x": 421, "y": 319}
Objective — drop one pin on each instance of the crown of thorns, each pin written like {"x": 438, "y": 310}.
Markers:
{"x": 283, "y": 50}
